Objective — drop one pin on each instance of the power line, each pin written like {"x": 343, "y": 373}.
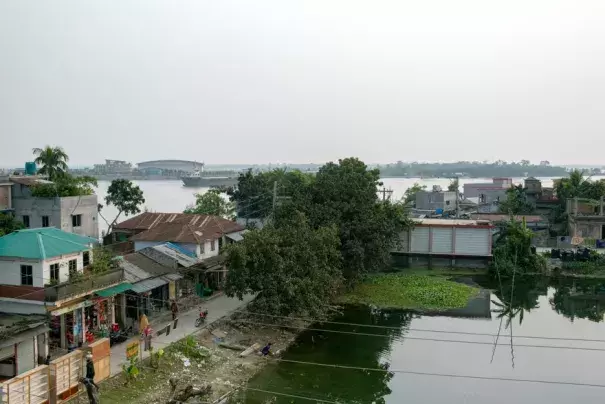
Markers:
{"x": 427, "y": 330}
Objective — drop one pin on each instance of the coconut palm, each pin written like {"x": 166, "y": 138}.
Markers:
{"x": 52, "y": 161}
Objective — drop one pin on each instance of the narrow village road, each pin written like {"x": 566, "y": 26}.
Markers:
{"x": 218, "y": 308}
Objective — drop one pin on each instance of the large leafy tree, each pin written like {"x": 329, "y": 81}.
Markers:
{"x": 512, "y": 251}
{"x": 454, "y": 185}
{"x": 292, "y": 269}
{"x": 9, "y": 224}
{"x": 126, "y": 197}
{"x": 52, "y": 161}
{"x": 65, "y": 185}
{"x": 212, "y": 203}
{"x": 516, "y": 202}
{"x": 345, "y": 195}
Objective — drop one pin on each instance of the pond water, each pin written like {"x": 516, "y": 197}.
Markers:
{"x": 399, "y": 343}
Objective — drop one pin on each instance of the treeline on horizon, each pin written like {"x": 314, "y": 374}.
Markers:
{"x": 472, "y": 169}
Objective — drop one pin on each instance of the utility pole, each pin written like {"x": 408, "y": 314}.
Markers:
{"x": 384, "y": 193}
{"x": 457, "y": 197}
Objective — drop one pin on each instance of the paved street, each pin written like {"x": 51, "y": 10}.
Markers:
{"x": 218, "y": 308}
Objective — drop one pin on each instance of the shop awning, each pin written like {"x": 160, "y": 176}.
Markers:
{"x": 148, "y": 284}
{"x": 114, "y": 290}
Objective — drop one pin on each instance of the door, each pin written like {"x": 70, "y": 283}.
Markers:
{"x": 442, "y": 240}
{"x": 473, "y": 242}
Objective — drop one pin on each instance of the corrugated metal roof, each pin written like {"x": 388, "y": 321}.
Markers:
{"x": 178, "y": 227}
{"x": 178, "y": 256}
{"x": 43, "y": 243}
{"x": 450, "y": 222}
{"x": 148, "y": 284}
{"x": 494, "y": 217}
{"x": 236, "y": 236}
{"x": 147, "y": 264}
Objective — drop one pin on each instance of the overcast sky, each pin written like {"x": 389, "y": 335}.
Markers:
{"x": 303, "y": 81}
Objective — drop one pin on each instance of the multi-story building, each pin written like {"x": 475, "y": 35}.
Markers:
{"x": 436, "y": 199}
{"x": 44, "y": 272}
{"x": 75, "y": 214}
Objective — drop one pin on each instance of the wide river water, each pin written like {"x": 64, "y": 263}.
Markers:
{"x": 172, "y": 196}
{"x": 551, "y": 309}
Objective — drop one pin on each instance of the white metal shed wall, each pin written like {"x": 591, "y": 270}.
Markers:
{"x": 473, "y": 241}
{"x": 442, "y": 240}
{"x": 420, "y": 240}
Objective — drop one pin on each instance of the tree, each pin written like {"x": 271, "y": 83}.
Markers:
{"x": 512, "y": 251}
{"x": 9, "y": 224}
{"x": 52, "y": 161}
{"x": 410, "y": 194}
{"x": 525, "y": 163}
{"x": 212, "y": 203}
{"x": 516, "y": 202}
{"x": 345, "y": 195}
{"x": 292, "y": 269}
{"x": 65, "y": 185}
{"x": 126, "y": 197}
{"x": 454, "y": 185}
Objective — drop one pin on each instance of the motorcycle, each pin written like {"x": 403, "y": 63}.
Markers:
{"x": 202, "y": 318}
{"x": 117, "y": 335}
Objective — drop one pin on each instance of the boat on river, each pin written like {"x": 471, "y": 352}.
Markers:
{"x": 200, "y": 178}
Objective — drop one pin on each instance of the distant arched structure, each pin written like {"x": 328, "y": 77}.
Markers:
{"x": 178, "y": 165}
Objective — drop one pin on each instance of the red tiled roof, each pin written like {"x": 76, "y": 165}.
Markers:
{"x": 178, "y": 227}
{"x": 494, "y": 217}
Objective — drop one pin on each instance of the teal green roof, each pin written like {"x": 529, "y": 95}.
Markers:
{"x": 43, "y": 243}
{"x": 114, "y": 290}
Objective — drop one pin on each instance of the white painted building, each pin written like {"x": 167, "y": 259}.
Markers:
{"x": 448, "y": 238}
{"x": 199, "y": 236}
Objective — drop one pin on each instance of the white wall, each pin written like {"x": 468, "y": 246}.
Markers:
{"x": 63, "y": 262}
{"x": 10, "y": 272}
{"x": 207, "y": 250}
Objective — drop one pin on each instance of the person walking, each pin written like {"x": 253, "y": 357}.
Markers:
{"x": 91, "y": 390}
{"x": 90, "y": 370}
{"x": 147, "y": 333}
{"x": 175, "y": 309}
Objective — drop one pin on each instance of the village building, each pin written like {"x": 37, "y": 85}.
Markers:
{"x": 436, "y": 200}
{"x": 586, "y": 219}
{"x": 23, "y": 344}
{"x": 488, "y": 195}
{"x": 446, "y": 243}
{"x": 44, "y": 271}
{"x": 75, "y": 214}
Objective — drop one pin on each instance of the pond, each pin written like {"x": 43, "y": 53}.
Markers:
{"x": 394, "y": 356}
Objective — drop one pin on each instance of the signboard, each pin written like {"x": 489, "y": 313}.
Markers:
{"x": 68, "y": 309}
{"x": 132, "y": 350}
{"x": 577, "y": 240}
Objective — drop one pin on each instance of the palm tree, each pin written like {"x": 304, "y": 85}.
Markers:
{"x": 52, "y": 161}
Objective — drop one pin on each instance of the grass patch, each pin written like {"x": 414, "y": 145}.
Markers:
{"x": 402, "y": 291}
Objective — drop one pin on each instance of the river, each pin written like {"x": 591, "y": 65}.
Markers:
{"x": 394, "y": 345}
{"x": 551, "y": 312}
{"x": 172, "y": 196}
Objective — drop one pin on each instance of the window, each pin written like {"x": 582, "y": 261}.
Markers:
{"x": 76, "y": 220}
{"x": 202, "y": 248}
{"x": 27, "y": 275}
{"x": 26, "y": 221}
{"x": 212, "y": 247}
{"x": 54, "y": 273}
{"x": 447, "y": 202}
{"x": 86, "y": 258}
{"x": 45, "y": 221}
{"x": 73, "y": 266}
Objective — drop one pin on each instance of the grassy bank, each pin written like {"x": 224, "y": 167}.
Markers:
{"x": 411, "y": 291}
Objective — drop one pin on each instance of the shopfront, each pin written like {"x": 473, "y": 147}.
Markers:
{"x": 67, "y": 327}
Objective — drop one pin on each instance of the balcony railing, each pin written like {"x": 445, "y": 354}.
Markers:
{"x": 84, "y": 287}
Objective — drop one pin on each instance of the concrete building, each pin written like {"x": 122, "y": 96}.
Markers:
{"x": 25, "y": 345}
{"x": 436, "y": 199}
{"x": 586, "y": 220}
{"x": 6, "y": 203}
{"x": 200, "y": 236}
{"x": 445, "y": 242}
{"x": 75, "y": 214}
{"x": 488, "y": 192}
{"x": 35, "y": 270}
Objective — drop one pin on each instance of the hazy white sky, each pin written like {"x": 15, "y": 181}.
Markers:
{"x": 303, "y": 81}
